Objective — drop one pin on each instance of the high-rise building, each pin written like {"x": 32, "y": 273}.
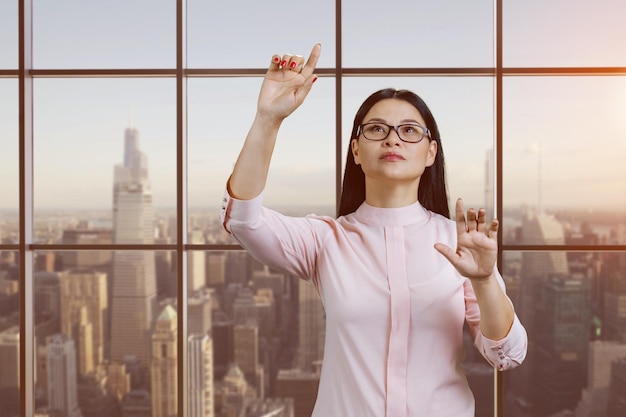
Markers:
{"x": 613, "y": 277}
{"x": 563, "y": 311}
{"x": 223, "y": 344}
{"x": 538, "y": 228}
{"x": 595, "y": 396}
{"x": 133, "y": 303}
{"x": 62, "y": 376}
{"x": 215, "y": 270}
{"x": 301, "y": 386}
{"x": 97, "y": 260}
{"x": 196, "y": 262}
{"x": 164, "y": 375}
{"x": 311, "y": 326}
{"x": 200, "y": 372}
{"x": 617, "y": 389}
{"x": 84, "y": 304}
{"x": 199, "y": 312}
{"x": 246, "y": 343}
{"x": 10, "y": 372}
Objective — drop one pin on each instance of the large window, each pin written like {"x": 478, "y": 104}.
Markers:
{"x": 120, "y": 122}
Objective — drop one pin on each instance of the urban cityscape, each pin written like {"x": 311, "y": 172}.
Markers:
{"x": 106, "y": 325}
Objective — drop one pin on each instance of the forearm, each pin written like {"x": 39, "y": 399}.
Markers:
{"x": 251, "y": 168}
{"x": 496, "y": 311}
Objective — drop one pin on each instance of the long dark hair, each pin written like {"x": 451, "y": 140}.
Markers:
{"x": 432, "y": 192}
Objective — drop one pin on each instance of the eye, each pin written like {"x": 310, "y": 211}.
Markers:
{"x": 411, "y": 129}
{"x": 375, "y": 128}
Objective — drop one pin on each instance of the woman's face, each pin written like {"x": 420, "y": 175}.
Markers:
{"x": 392, "y": 160}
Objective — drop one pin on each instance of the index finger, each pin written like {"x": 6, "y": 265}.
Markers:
{"x": 311, "y": 62}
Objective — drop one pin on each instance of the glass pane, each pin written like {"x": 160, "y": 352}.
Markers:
{"x": 573, "y": 307}
{"x": 465, "y": 123}
{"x": 246, "y": 35}
{"x": 9, "y": 168}
{"x": 9, "y": 333}
{"x": 580, "y": 33}
{"x": 105, "y": 157}
{"x": 112, "y": 34}
{"x": 428, "y": 33}
{"x": 302, "y": 174}
{"x": 564, "y": 143}
{"x": 259, "y": 320}
{"x": 110, "y": 319}
{"x": 8, "y": 34}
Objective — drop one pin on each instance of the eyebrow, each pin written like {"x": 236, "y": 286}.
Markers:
{"x": 378, "y": 119}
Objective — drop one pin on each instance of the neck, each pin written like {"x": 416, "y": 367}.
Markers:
{"x": 385, "y": 195}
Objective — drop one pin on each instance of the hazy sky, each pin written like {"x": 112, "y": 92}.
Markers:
{"x": 569, "y": 131}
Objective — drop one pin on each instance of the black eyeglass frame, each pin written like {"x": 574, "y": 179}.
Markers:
{"x": 395, "y": 128}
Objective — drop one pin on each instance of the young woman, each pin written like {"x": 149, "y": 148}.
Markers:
{"x": 397, "y": 277}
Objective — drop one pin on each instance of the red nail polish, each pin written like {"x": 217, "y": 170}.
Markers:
{"x": 276, "y": 59}
{"x": 292, "y": 65}
{"x": 282, "y": 64}
{"x": 314, "y": 79}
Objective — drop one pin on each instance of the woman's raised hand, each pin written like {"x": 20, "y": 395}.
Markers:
{"x": 477, "y": 244}
{"x": 287, "y": 83}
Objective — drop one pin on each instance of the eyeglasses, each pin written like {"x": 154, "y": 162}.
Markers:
{"x": 411, "y": 133}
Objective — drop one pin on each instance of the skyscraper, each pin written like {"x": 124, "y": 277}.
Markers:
{"x": 10, "y": 371}
{"x": 164, "y": 375}
{"x": 133, "y": 300}
{"x": 62, "y": 376}
{"x": 196, "y": 262}
{"x": 311, "y": 326}
{"x": 83, "y": 289}
{"x": 200, "y": 389}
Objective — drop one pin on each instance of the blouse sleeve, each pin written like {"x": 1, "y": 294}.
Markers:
{"x": 286, "y": 243}
{"x": 503, "y": 354}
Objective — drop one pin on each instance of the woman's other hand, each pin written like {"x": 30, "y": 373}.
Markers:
{"x": 477, "y": 245}
{"x": 286, "y": 84}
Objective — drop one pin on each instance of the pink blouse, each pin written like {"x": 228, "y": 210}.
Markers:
{"x": 395, "y": 307}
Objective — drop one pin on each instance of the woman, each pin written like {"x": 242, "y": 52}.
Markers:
{"x": 395, "y": 293}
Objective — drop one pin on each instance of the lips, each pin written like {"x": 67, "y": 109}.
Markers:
{"x": 392, "y": 156}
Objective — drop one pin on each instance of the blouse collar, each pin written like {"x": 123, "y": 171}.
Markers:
{"x": 397, "y": 216}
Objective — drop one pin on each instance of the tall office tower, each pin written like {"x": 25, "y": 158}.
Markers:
{"x": 563, "y": 311}
{"x": 200, "y": 373}
{"x": 62, "y": 377}
{"x": 215, "y": 270}
{"x": 311, "y": 326}
{"x": 301, "y": 386}
{"x": 489, "y": 185}
{"x": 199, "y": 306}
{"x": 196, "y": 262}
{"x": 246, "y": 343}
{"x": 223, "y": 344}
{"x": 164, "y": 376}
{"x": 264, "y": 278}
{"x": 85, "y": 289}
{"x": 118, "y": 380}
{"x": 617, "y": 389}
{"x": 232, "y": 393}
{"x": 238, "y": 268}
{"x": 137, "y": 403}
{"x": 266, "y": 312}
{"x": 613, "y": 277}
{"x": 94, "y": 398}
{"x": 47, "y": 301}
{"x": 10, "y": 372}
{"x": 244, "y": 307}
{"x": 595, "y": 396}
{"x": 133, "y": 303}
{"x": 537, "y": 229}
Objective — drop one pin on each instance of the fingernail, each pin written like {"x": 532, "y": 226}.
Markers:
{"x": 292, "y": 65}
{"x": 282, "y": 64}
{"x": 314, "y": 79}
{"x": 276, "y": 59}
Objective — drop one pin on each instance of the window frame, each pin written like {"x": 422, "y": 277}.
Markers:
{"x": 26, "y": 248}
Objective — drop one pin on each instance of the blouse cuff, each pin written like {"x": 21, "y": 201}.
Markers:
{"x": 238, "y": 212}
{"x": 510, "y": 351}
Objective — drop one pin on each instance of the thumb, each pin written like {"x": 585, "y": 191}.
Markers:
{"x": 446, "y": 251}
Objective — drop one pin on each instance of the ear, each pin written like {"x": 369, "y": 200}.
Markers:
{"x": 432, "y": 153}
{"x": 355, "y": 151}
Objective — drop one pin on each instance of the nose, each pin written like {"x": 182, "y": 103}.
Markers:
{"x": 393, "y": 138}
